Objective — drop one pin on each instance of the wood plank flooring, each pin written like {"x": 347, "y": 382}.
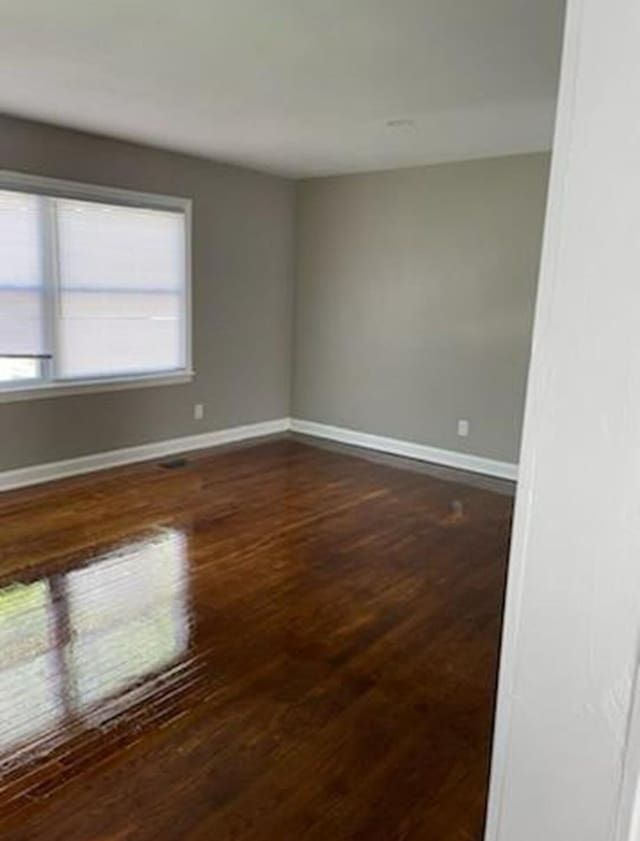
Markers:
{"x": 276, "y": 643}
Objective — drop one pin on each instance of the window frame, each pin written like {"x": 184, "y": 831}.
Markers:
{"x": 60, "y": 188}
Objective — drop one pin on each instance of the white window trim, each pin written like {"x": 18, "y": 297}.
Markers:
{"x": 31, "y": 391}
{"x": 59, "y": 188}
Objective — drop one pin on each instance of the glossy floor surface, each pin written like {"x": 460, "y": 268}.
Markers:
{"x": 276, "y": 642}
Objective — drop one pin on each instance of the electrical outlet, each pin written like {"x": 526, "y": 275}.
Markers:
{"x": 463, "y": 428}
{"x": 198, "y": 411}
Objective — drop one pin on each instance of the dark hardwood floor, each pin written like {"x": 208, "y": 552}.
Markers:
{"x": 276, "y": 642}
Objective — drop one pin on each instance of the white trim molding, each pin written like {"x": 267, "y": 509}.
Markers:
{"x": 43, "y": 389}
{"x": 408, "y": 449}
{"x": 83, "y": 190}
{"x": 24, "y": 476}
{"x": 34, "y": 475}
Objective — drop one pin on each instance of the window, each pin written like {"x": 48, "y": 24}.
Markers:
{"x": 94, "y": 286}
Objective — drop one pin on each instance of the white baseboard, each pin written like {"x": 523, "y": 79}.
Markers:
{"x": 422, "y": 452}
{"x": 23, "y": 476}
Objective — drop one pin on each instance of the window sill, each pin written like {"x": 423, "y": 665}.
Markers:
{"x": 38, "y": 391}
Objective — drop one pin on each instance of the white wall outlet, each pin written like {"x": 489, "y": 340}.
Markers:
{"x": 463, "y": 428}
{"x": 198, "y": 411}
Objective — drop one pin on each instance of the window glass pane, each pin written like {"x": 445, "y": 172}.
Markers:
{"x": 122, "y": 290}
{"x": 15, "y": 369}
{"x": 21, "y": 287}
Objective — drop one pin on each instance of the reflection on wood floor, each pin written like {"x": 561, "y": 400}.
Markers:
{"x": 276, "y": 642}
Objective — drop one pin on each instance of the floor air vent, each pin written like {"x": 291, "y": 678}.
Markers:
{"x": 174, "y": 463}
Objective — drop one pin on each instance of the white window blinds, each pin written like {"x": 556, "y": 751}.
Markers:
{"x": 22, "y": 323}
{"x": 121, "y": 290}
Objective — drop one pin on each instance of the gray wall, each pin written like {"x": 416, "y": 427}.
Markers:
{"x": 242, "y": 276}
{"x": 414, "y": 301}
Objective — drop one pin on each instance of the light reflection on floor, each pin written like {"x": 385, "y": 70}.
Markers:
{"x": 30, "y": 696}
{"x": 71, "y": 641}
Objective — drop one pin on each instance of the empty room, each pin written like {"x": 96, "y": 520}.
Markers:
{"x": 271, "y": 274}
